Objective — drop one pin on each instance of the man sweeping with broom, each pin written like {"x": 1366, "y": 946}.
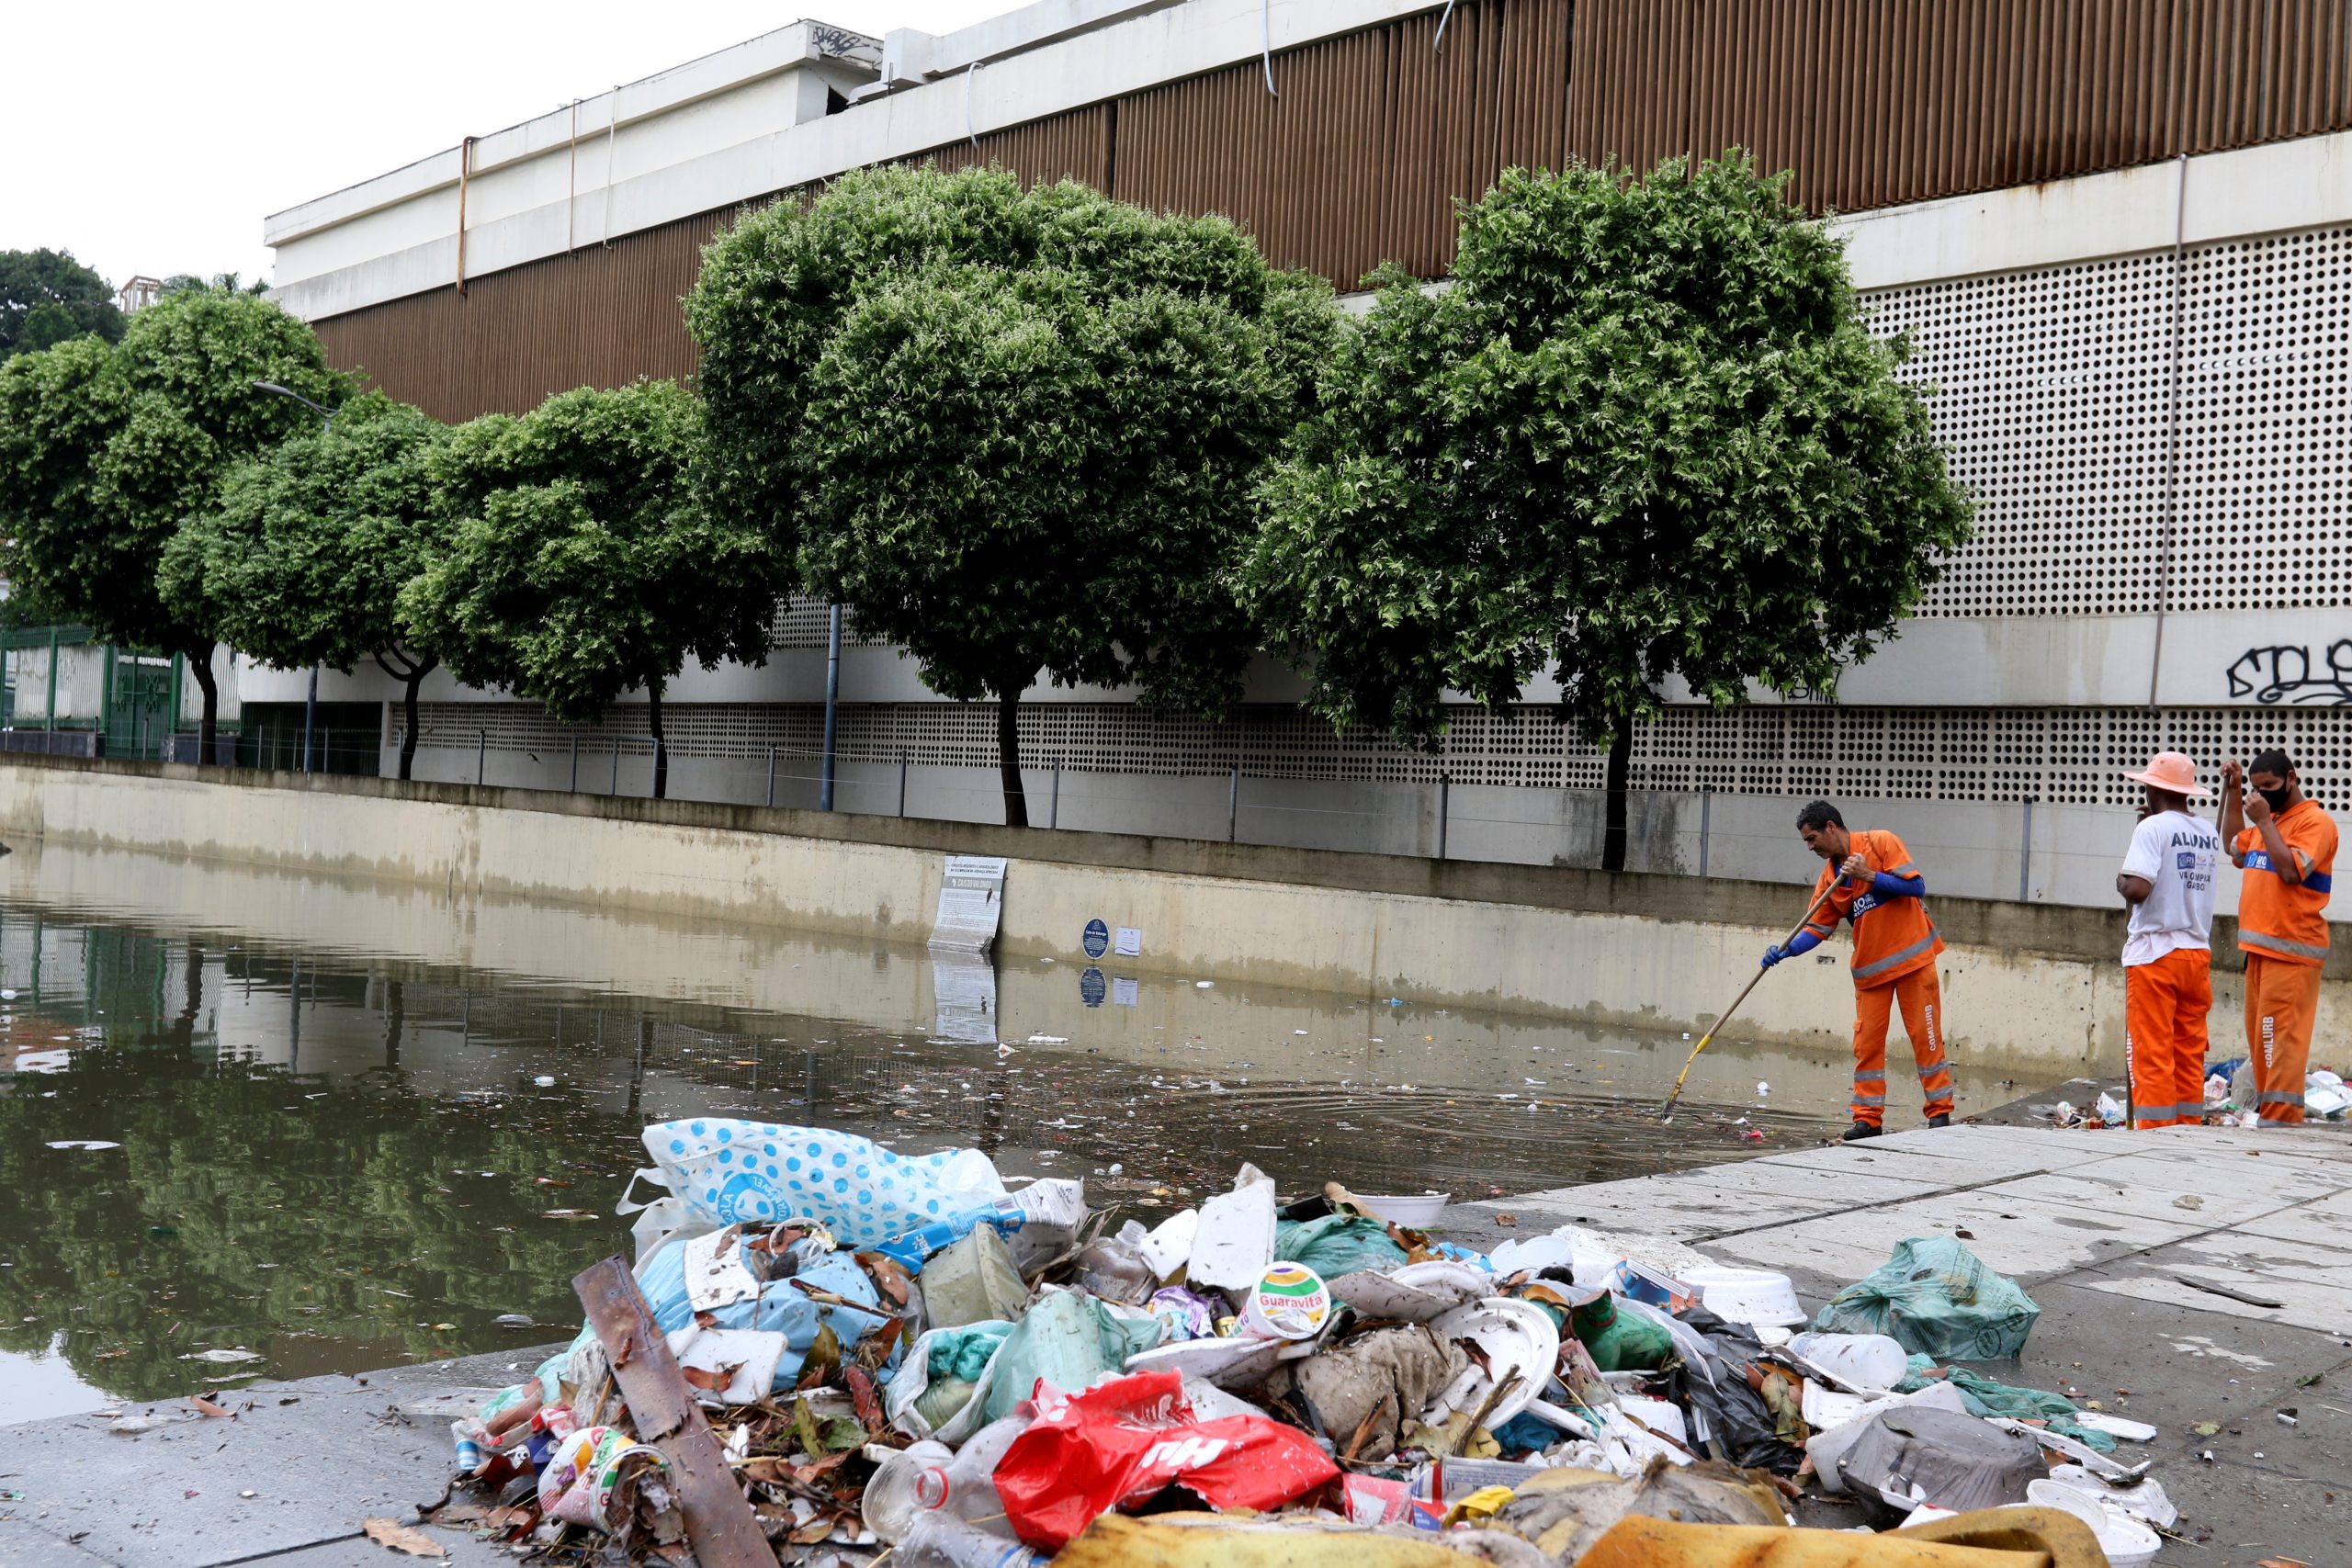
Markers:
{"x": 1883, "y": 896}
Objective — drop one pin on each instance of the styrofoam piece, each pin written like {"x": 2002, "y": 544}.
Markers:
{"x": 1415, "y": 1293}
{"x": 1517, "y": 1337}
{"x": 1210, "y": 1403}
{"x": 1533, "y": 1254}
{"x": 2116, "y": 1426}
{"x": 1228, "y": 1363}
{"x": 1857, "y": 1360}
{"x": 754, "y": 1353}
{"x": 716, "y": 1273}
{"x": 2127, "y": 1543}
{"x": 1169, "y": 1247}
{"x": 1746, "y": 1295}
{"x": 1924, "y": 1514}
{"x": 2143, "y": 1500}
{"x": 1828, "y": 1448}
{"x": 1235, "y": 1239}
{"x": 1827, "y": 1408}
{"x": 1417, "y": 1210}
{"x": 1660, "y": 1415}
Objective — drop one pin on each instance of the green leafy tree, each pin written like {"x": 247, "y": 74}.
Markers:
{"x": 106, "y": 450}
{"x": 1646, "y": 433}
{"x": 303, "y": 560}
{"x": 46, "y": 297}
{"x": 1010, "y": 430}
{"x": 580, "y": 565}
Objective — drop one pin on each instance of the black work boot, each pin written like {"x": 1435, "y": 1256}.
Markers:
{"x": 1943, "y": 1121}
{"x": 1858, "y": 1131}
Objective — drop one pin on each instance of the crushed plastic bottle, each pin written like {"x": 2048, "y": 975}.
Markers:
{"x": 890, "y": 1505}
{"x": 941, "y": 1540}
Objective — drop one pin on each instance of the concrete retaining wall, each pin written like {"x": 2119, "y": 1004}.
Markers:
{"x": 2036, "y": 985}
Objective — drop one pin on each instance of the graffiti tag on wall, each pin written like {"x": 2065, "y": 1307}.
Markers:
{"x": 2290, "y": 674}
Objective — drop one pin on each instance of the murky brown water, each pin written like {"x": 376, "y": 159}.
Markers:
{"x": 332, "y": 1147}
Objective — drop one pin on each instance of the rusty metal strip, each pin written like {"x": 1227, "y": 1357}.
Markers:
{"x": 719, "y": 1522}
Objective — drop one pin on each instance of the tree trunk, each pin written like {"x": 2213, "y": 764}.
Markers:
{"x": 200, "y": 664}
{"x": 1008, "y": 751}
{"x": 661, "y": 752}
{"x": 417, "y": 674}
{"x": 1621, "y": 770}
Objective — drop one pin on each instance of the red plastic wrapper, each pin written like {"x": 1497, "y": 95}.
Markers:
{"x": 1126, "y": 1441}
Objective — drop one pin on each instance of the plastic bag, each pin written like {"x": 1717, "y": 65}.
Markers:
{"x": 1983, "y": 1397}
{"x": 1340, "y": 1244}
{"x": 1068, "y": 1339}
{"x": 1919, "y": 1454}
{"x": 1936, "y": 1298}
{"x": 936, "y": 1389}
{"x": 730, "y": 1171}
{"x": 780, "y": 1306}
{"x": 1126, "y": 1442}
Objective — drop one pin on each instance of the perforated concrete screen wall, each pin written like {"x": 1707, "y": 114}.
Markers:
{"x": 2062, "y": 756}
{"x": 2052, "y": 393}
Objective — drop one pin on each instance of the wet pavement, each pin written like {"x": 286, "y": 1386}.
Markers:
{"x": 333, "y": 1125}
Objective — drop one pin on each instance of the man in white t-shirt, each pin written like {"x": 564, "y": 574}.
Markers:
{"x": 2168, "y": 881}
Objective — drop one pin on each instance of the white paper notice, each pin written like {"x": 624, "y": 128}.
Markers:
{"x": 971, "y": 898}
{"x": 1129, "y": 943}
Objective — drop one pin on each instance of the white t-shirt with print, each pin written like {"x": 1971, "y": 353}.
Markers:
{"x": 2180, "y": 856}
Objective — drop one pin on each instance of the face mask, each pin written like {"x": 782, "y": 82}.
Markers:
{"x": 2277, "y": 798}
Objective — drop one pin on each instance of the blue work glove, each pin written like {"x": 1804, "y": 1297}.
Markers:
{"x": 1772, "y": 955}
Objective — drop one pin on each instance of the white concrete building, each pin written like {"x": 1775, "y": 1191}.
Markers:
{"x": 2123, "y": 255}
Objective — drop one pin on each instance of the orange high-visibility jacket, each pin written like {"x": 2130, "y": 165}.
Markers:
{"x": 2283, "y": 921}
{"x": 1892, "y": 936}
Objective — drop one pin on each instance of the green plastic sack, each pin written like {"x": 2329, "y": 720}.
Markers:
{"x": 1983, "y": 1397}
{"x": 1068, "y": 1338}
{"x": 1338, "y": 1244}
{"x": 1936, "y": 1298}
{"x": 1621, "y": 1341}
{"x": 963, "y": 1353}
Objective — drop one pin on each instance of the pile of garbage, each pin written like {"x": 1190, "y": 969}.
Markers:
{"x": 828, "y": 1350}
{"x": 2231, "y": 1097}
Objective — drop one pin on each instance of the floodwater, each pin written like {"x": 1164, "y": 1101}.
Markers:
{"x": 341, "y": 1124}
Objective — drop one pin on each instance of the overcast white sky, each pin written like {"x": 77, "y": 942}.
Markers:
{"x": 148, "y": 138}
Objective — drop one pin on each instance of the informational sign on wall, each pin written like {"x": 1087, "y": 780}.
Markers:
{"x": 1095, "y": 938}
{"x": 971, "y": 901}
{"x": 1130, "y": 943}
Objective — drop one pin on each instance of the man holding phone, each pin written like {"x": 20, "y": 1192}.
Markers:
{"x": 2286, "y": 846}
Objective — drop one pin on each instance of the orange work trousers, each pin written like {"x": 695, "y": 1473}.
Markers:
{"x": 2281, "y": 999}
{"x": 2165, "y": 1004}
{"x": 1921, "y": 998}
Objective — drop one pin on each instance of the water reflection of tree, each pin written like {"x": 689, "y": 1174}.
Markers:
{"x": 236, "y": 1203}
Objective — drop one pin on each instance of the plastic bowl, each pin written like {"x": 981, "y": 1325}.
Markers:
{"x": 1403, "y": 1211}
{"x": 1746, "y": 1295}
{"x": 2127, "y": 1543}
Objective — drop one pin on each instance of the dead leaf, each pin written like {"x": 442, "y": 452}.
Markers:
{"x": 207, "y": 1405}
{"x": 1507, "y": 1221}
{"x": 823, "y": 1357}
{"x": 890, "y": 1276}
{"x": 713, "y": 1379}
{"x": 861, "y": 1395}
{"x": 399, "y": 1538}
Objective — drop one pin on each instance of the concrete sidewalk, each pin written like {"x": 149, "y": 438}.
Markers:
{"x": 2111, "y": 1233}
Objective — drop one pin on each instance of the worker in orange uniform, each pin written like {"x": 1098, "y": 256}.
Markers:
{"x": 2168, "y": 881}
{"x": 2286, "y": 845}
{"x": 1883, "y": 895}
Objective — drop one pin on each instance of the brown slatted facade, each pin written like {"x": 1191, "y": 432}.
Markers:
{"x": 1376, "y": 134}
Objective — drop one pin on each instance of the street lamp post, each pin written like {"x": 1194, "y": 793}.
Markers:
{"x": 309, "y": 703}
